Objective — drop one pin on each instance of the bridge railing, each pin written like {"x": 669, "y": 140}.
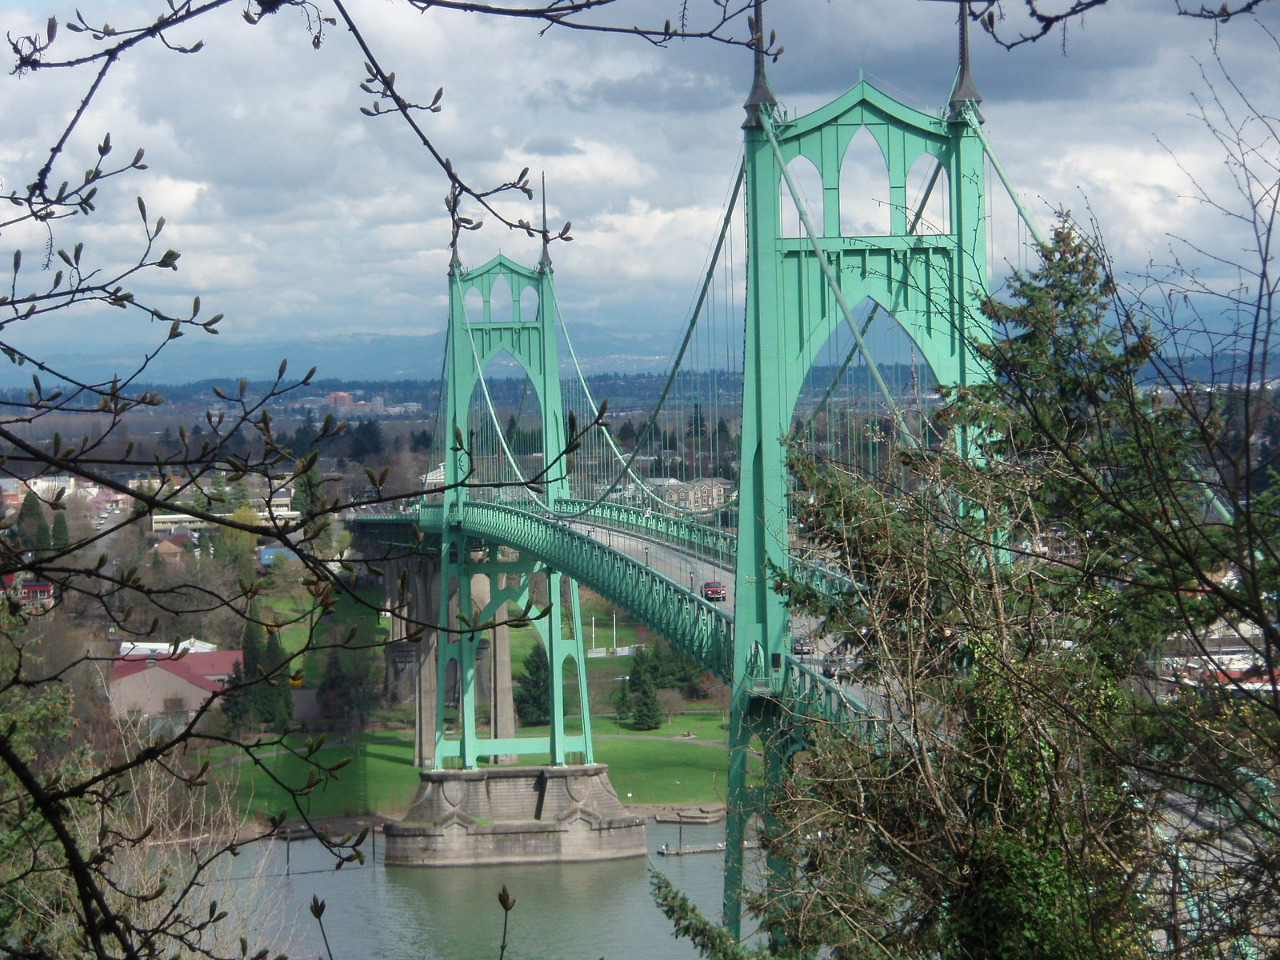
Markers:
{"x": 707, "y": 542}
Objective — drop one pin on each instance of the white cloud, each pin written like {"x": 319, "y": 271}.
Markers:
{"x": 296, "y": 216}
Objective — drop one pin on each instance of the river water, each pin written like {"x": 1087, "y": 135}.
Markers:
{"x": 575, "y": 911}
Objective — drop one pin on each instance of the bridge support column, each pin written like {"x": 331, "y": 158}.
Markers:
{"x": 502, "y": 713}
{"x": 424, "y": 605}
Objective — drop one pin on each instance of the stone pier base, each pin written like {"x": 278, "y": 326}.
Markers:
{"x": 514, "y": 815}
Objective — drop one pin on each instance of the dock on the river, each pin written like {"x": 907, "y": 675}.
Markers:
{"x": 680, "y": 850}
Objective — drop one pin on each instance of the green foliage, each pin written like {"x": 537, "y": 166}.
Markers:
{"x": 997, "y": 820}
{"x": 249, "y": 707}
{"x": 239, "y": 495}
{"x": 333, "y": 696}
{"x": 1065, "y": 404}
{"x": 533, "y": 695}
{"x": 30, "y": 516}
{"x": 348, "y": 689}
{"x": 696, "y": 428}
{"x": 367, "y": 441}
{"x": 622, "y": 700}
{"x": 61, "y": 538}
{"x": 277, "y": 701}
{"x": 710, "y": 939}
{"x": 308, "y": 499}
{"x": 236, "y": 548}
{"x": 669, "y": 669}
{"x": 44, "y": 542}
{"x": 37, "y": 727}
{"x": 646, "y": 710}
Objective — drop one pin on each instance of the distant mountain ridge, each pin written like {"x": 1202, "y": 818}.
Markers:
{"x": 352, "y": 357}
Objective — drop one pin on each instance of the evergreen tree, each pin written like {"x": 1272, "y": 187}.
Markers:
{"x": 622, "y": 700}
{"x": 247, "y": 707}
{"x": 627, "y": 433}
{"x": 307, "y": 498}
{"x": 236, "y": 706}
{"x": 533, "y": 696}
{"x": 278, "y": 701}
{"x": 723, "y": 436}
{"x": 641, "y": 666}
{"x": 367, "y": 441}
{"x": 647, "y": 710}
{"x": 61, "y": 538}
{"x": 304, "y": 438}
{"x": 43, "y": 539}
{"x": 696, "y": 428}
{"x": 333, "y": 696}
{"x": 240, "y": 495}
{"x": 306, "y": 493}
{"x": 29, "y": 518}
{"x": 1010, "y": 823}
{"x": 218, "y": 491}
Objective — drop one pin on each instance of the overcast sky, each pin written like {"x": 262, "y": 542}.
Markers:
{"x": 303, "y": 220}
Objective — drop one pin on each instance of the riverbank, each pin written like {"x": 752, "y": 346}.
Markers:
{"x": 339, "y": 826}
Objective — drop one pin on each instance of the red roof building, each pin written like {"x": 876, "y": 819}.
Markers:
{"x": 31, "y": 593}
{"x": 150, "y": 685}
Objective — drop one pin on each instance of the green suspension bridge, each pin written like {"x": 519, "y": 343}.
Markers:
{"x": 862, "y": 234}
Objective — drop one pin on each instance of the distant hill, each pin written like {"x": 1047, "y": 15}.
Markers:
{"x": 353, "y": 357}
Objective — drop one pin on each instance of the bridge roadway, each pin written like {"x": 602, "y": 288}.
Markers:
{"x": 661, "y": 594}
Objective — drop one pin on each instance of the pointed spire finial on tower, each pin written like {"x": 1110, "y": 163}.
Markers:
{"x": 544, "y": 262}
{"x": 964, "y": 90}
{"x": 760, "y": 90}
{"x": 455, "y": 265}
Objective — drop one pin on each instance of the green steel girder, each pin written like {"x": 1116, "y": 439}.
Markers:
{"x": 694, "y": 626}
{"x": 687, "y": 621}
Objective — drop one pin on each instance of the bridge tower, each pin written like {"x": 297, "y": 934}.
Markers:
{"x": 799, "y": 289}
{"x": 472, "y": 343}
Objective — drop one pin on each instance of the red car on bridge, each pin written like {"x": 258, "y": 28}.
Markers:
{"x": 714, "y": 591}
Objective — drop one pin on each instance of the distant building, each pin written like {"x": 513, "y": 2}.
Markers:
{"x": 339, "y": 398}
{"x": 32, "y": 594}
{"x": 154, "y": 648}
{"x": 705, "y": 494}
{"x": 161, "y": 685}
{"x": 269, "y": 555}
{"x": 175, "y": 547}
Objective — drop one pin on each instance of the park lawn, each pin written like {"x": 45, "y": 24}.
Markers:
{"x": 704, "y": 726}
{"x": 381, "y": 779}
{"x": 665, "y": 771}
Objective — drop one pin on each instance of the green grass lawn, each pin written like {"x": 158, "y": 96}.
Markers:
{"x": 382, "y": 779}
{"x": 658, "y": 771}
